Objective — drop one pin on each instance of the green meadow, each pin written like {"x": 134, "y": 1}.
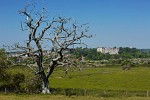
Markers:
{"x": 106, "y": 81}
{"x": 136, "y": 79}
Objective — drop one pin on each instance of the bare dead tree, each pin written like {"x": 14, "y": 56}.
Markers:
{"x": 60, "y": 33}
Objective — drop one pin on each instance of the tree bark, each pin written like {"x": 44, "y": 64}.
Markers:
{"x": 45, "y": 86}
{"x": 45, "y": 82}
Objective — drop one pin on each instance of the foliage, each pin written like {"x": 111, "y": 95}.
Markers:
{"x": 3, "y": 59}
{"x": 33, "y": 85}
{"x": 2, "y": 53}
{"x": 20, "y": 79}
{"x": 4, "y": 76}
{"x": 124, "y": 53}
{"x": 126, "y": 65}
{"x": 12, "y": 82}
{"x": 17, "y": 79}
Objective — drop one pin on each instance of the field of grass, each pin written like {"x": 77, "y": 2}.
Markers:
{"x": 62, "y": 97}
{"x": 100, "y": 82}
{"x": 136, "y": 79}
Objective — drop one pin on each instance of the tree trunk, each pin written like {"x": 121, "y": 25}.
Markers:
{"x": 45, "y": 87}
{"x": 45, "y": 83}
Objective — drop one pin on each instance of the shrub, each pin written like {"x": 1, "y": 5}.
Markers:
{"x": 33, "y": 85}
{"x": 4, "y": 76}
{"x": 11, "y": 82}
{"x": 17, "y": 79}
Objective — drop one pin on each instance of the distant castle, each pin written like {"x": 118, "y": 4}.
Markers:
{"x": 108, "y": 50}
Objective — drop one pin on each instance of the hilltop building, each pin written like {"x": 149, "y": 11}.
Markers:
{"x": 108, "y": 50}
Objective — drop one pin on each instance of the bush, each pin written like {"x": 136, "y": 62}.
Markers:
{"x": 33, "y": 85}
{"x": 5, "y": 77}
{"x": 126, "y": 65}
{"x": 17, "y": 79}
{"x": 11, "y": 82}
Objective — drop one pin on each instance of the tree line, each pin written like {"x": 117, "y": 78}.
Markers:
{"x": 124, "y": 53}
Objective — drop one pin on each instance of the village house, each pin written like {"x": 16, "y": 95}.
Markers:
{"x": 108, "y": 50}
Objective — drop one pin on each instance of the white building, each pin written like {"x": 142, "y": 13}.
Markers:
{"x": 108, "y": 50}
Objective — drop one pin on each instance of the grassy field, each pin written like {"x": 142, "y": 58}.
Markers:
{"x": 99, "y": 82}
{"x": 62, "y": 97}
{"x": 136, "y": 79}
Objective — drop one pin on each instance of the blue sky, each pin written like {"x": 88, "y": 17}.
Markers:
{"x": 124, "y": 23}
